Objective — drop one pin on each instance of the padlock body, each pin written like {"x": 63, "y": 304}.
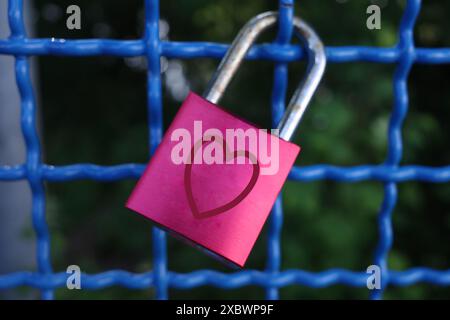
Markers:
{"x": 221, "y": 206}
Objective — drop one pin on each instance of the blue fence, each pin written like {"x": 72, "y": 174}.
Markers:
{"x": 390, "y": 173}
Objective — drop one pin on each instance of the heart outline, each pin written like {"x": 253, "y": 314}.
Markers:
{"x": 230, "y": 204}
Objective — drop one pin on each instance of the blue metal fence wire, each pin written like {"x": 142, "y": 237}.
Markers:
{"x": 404, "y": 55}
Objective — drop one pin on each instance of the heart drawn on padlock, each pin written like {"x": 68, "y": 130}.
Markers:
{"x": 227, "y": 154}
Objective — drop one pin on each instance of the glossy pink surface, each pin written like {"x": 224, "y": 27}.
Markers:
{"x": 221, "y": 207}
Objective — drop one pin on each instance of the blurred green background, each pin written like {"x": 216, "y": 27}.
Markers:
{"x": 94, "y": 110}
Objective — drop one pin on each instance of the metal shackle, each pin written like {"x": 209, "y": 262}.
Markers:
{"x": 246, "y": 37}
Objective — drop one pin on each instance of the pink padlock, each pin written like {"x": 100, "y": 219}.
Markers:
{"x": 215, "y": 177}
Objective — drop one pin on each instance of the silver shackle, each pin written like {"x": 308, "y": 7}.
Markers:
{"x": 246, "y": 37}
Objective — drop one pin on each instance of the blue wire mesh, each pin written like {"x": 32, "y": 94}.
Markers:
{"x": 390, "y": 173}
